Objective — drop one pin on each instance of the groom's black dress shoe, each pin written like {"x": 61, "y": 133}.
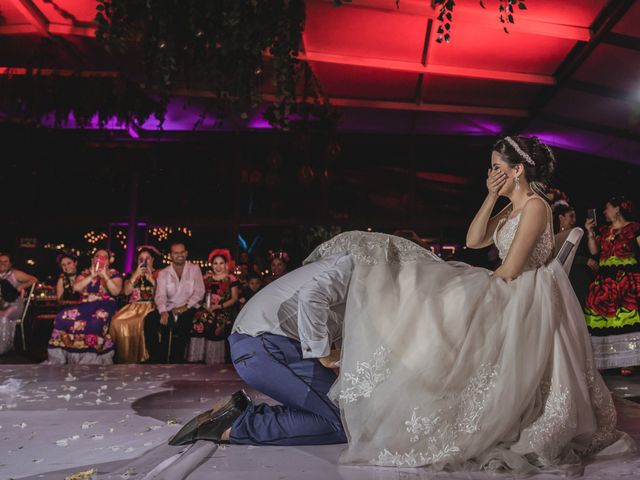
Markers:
{"x": 211, "y": 424}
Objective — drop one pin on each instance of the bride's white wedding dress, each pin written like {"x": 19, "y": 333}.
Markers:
{"x": 447, "y": 366}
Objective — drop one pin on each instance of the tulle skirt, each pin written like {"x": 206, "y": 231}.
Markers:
{"x": 444, "y": 365}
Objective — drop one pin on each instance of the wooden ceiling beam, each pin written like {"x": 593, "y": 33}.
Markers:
{"x": 80, "y": 29}
{"x": 481, "y": 18}
{"x": 601, "y": 90}
{"x": 622, "y": 41}
{"x": 387, "y": 105}
{"x": 416, "y": 67}
{"x": 615, "y": 132}
{"x": 17, "y": 29}
{"x": 34, "y": 16}
{"x": 62, "y": 72}
{"x": 429, "y": 107}
{"x": 602, "y": 25}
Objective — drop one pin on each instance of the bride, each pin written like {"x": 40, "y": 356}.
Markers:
{"x": 457, "y": 367}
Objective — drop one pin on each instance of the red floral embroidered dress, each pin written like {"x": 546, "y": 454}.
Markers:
{"x": 611, "y": 308}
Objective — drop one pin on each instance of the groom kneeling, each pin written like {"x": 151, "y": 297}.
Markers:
{"x": 281, "y": 346}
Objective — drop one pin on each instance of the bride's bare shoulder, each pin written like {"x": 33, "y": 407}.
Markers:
{"x": 535, "y": 210}
{"x": 535, "y": 204}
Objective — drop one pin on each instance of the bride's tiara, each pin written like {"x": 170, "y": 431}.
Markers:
{"x": 524, "y": 155}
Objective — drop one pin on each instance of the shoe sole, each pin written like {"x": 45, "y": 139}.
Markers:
{"x": 188, "y": 433}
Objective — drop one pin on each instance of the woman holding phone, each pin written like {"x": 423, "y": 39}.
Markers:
{"x": 81, "y": 332}
{"x": 127, "y": 325}
{"x": 611, "y": 308}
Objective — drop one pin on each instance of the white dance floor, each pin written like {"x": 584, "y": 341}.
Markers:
{"x": 114, "y": 422}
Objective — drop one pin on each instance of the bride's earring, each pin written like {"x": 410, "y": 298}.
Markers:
{"x": 517, "y": 182}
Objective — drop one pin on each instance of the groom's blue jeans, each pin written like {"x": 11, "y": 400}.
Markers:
{"x": 273, "y": 365}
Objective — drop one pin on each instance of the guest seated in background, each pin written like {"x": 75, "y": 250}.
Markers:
{"x": 279, "y": 262}
{"x": 564, "y": 219}
{"x": 245, "y": 259}
{"x": 13, "y": 285}
{"x": 127, "y": 325}
{"x": 583, "y": 267}
{"x": 179, "y": 291}
{"x": 65, "y": 294}
{"x": 81, "y": 333}
{"x": 213, "y": 322}
{"x": 242, "y": 272}
{"x": 254, "y": 284}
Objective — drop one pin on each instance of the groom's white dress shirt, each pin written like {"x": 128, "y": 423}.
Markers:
{"x": 306, "y": 305}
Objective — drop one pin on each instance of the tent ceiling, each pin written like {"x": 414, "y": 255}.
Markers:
{"x": 568, "y": 71}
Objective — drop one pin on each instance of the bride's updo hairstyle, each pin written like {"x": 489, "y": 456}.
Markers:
{"x": 536, "y": 157}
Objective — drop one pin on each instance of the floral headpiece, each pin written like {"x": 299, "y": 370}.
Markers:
{"x": 524, "y": 155}
{"x": 220, "y": 252}
{"x": 626, "y": 205}
{"x": 284, "y": 256}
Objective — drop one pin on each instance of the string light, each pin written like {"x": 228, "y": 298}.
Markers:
{"x": 93, "y": 237}
{"x": 163, "y": 233}
{"x": 122, "y": 238}
{"x": 54, "y": 246}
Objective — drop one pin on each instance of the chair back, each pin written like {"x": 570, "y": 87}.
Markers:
{"x": 567, "y": 251}
{"x": 25, "y": 310}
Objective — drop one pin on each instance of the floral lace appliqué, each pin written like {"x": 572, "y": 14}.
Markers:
{"x": 372, "y": 248}
{"x": 605, "y": 411}
{"x": 437, "y": 434}
{"x": 549, "y": 431}
{"x": 366, "y": 377}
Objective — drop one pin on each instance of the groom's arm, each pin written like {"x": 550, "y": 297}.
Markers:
{"x": 314, "y": 302}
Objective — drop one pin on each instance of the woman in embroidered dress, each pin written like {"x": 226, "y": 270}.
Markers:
{"x": 65, "y": 294}
{"x": 611, "y": 309}
{"x": 456, "y": 367}
{"x": 81, "y": 333}
{"x": 212, "y": 323}
{"x": 127, "y": 325}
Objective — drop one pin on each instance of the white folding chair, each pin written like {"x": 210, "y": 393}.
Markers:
{"x": 24, "y": 315}
{"x": 567, "y": 252}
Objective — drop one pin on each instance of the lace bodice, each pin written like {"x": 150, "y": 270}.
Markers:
{"x": 506, "y": 232}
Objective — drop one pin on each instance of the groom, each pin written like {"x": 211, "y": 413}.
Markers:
{"x": 281, "y": 345}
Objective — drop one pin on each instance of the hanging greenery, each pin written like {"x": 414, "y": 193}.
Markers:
{"x": 506, "y": 13}
{"x": 445, "y": 14}
{"x": 224, "y": 46}
{"x": 234, "y": 49}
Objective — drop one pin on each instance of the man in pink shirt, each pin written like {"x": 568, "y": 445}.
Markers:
{"x": 179, "y": 291}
